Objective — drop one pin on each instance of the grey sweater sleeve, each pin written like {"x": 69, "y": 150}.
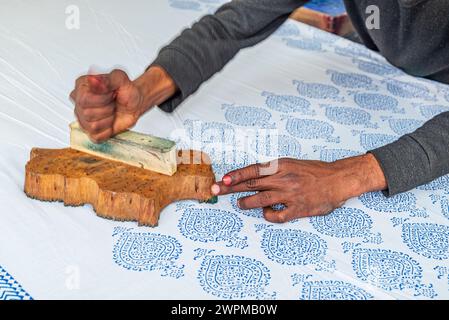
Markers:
{"x": 204, "y": 49}
{"x": 416, "y": 158}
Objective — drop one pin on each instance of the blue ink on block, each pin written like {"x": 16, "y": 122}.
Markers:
{"x": 247, "y": 116}
{"x": 343, "y": 223}
{"x": 404, "y": 126}
{"x": 409, "y": 90}
{"x": 212, "y": 225}
{"x": 351, "y": 80}
{"x": 288, "y": 104}
{"x": 379, "y": 68}
{"x": 145, "y": 251}
{"x": 370, "y": 141}
{"x": 10, "y": 289}
{"x": 311, "y": 129}
{"x": 430, "y": 111}
{"x": 386, "y": 269}
{"x": 234, "y": 277}
{"x": 332, "y": 290}
{"x": 304, "y": 44}
{"x": 295, "y": 248}
{"x": 377, "y": 102}
{"x": 317, "y": 91}
{"x": 427, "y": 239}
{"x": 349, "y": 116}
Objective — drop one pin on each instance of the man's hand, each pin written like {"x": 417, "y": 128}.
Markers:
{"x": 306, "y": 188}
{"x": 108, "y": 104}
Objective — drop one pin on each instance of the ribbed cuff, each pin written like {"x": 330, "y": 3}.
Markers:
{"x": 183, "y": 72}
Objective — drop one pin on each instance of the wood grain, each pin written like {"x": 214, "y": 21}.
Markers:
{"x": 115, "y": 190}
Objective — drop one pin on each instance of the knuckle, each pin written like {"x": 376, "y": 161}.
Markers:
{"x": 252, "y": 183}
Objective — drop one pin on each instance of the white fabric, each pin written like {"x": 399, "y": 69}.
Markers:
{"x": 54, "y": 251}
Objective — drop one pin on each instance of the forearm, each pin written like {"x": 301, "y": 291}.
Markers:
{"x": 155, "y": 86}
{"x": 205, "y": 48}
{"x": 416, "y": 158}
{"x": 358, "y": 175}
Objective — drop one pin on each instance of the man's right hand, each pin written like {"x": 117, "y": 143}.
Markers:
{"x": 108, "y": 104}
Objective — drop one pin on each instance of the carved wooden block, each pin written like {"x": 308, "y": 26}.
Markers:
{"x": 115, "y": 190}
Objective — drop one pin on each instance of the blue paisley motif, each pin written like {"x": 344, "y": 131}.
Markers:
{"x": 343, "y": 223}
{"x": 247, "y": 116}
{"x": 430, "y": 111}
{"x": 317, "y": 90}
{"x": 409, "y": 90}
{"x": 404, "y": 126}
{"x": 145, "y": 251}
{"x": 331, "y": 155}
{"x": 311, "y": 129}
{"x": 351, "y": 80}
{"x": 349, "y": 116}
{"x": 427, "y": 239}
{"x": 304, "y": 44}
{"x": 234, "y": 277}
{"x": 386, "y": 269}
{"x": 212, "y": 225}
{"x": 377, "y": 102}
{"x": 293, "y": 247}
{"x": 210, "y": 132}
{"x": 381, "y": 69}
{"x": 287, "y": 30}
{"x": 399, "y": 203}
{"x": 276, "y": 146}
{"x": 332, "y": 290}
{"x": 288, "y": 104}
{"x": 370, "y": 141}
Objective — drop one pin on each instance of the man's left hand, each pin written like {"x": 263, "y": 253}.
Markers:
{"x": 306, "y": 188}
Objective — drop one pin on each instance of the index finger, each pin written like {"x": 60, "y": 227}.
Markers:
{"x": 253, "y": 171}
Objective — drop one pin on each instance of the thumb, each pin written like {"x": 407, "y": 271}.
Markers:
{"x": 107, "y": 83}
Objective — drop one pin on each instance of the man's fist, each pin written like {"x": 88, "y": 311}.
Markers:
{"x": 107, "y": 104}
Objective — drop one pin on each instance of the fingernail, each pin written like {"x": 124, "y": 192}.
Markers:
{"x": 238, "y": 203}
{"x": 227, "y": 180}
{"x": 215, "y": 189}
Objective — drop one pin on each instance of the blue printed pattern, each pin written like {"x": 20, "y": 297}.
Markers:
{"x": 430, "y": 111}
{"x": 255, "y": 213}
{"x": 387, "y": 269}
{"x": 304, "y": 44}
{"x": 441, "y": 183}
{"x": 317, "y": 91}
{"x": 293, "y": 247}
{"x": 331, "y": 155}
{"x": 145, "y": 251}
{"x": 404, "y": 126}
{"x": 381, "y": 69}
{"x": 234, "y": 277}
{"x": 311, "y": 129}
{"x": 332, "y": 290}
{"x": 409, "y": 90}
{"x": 288, "y": 104}
{"x": 427, "y": 239}
{"x": 377, "y": 102}
{"x": 247, "y": 116}
{"x": 212, "y": 225}
{"x": 276, "y": 146}
{"x": 343, "y": 223}
{"x": 287, "y": 30}
{"x": 403, "y": 202}
{"x": 229, "y": 160}
{"x": 349, "y": 116}
{"x": 352, "y": 80}
{"x": 208, "y": 6}
{"x": 371, "y": 141}
{"x": 210, "y": 132}
{"x": 10, "y": 289}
